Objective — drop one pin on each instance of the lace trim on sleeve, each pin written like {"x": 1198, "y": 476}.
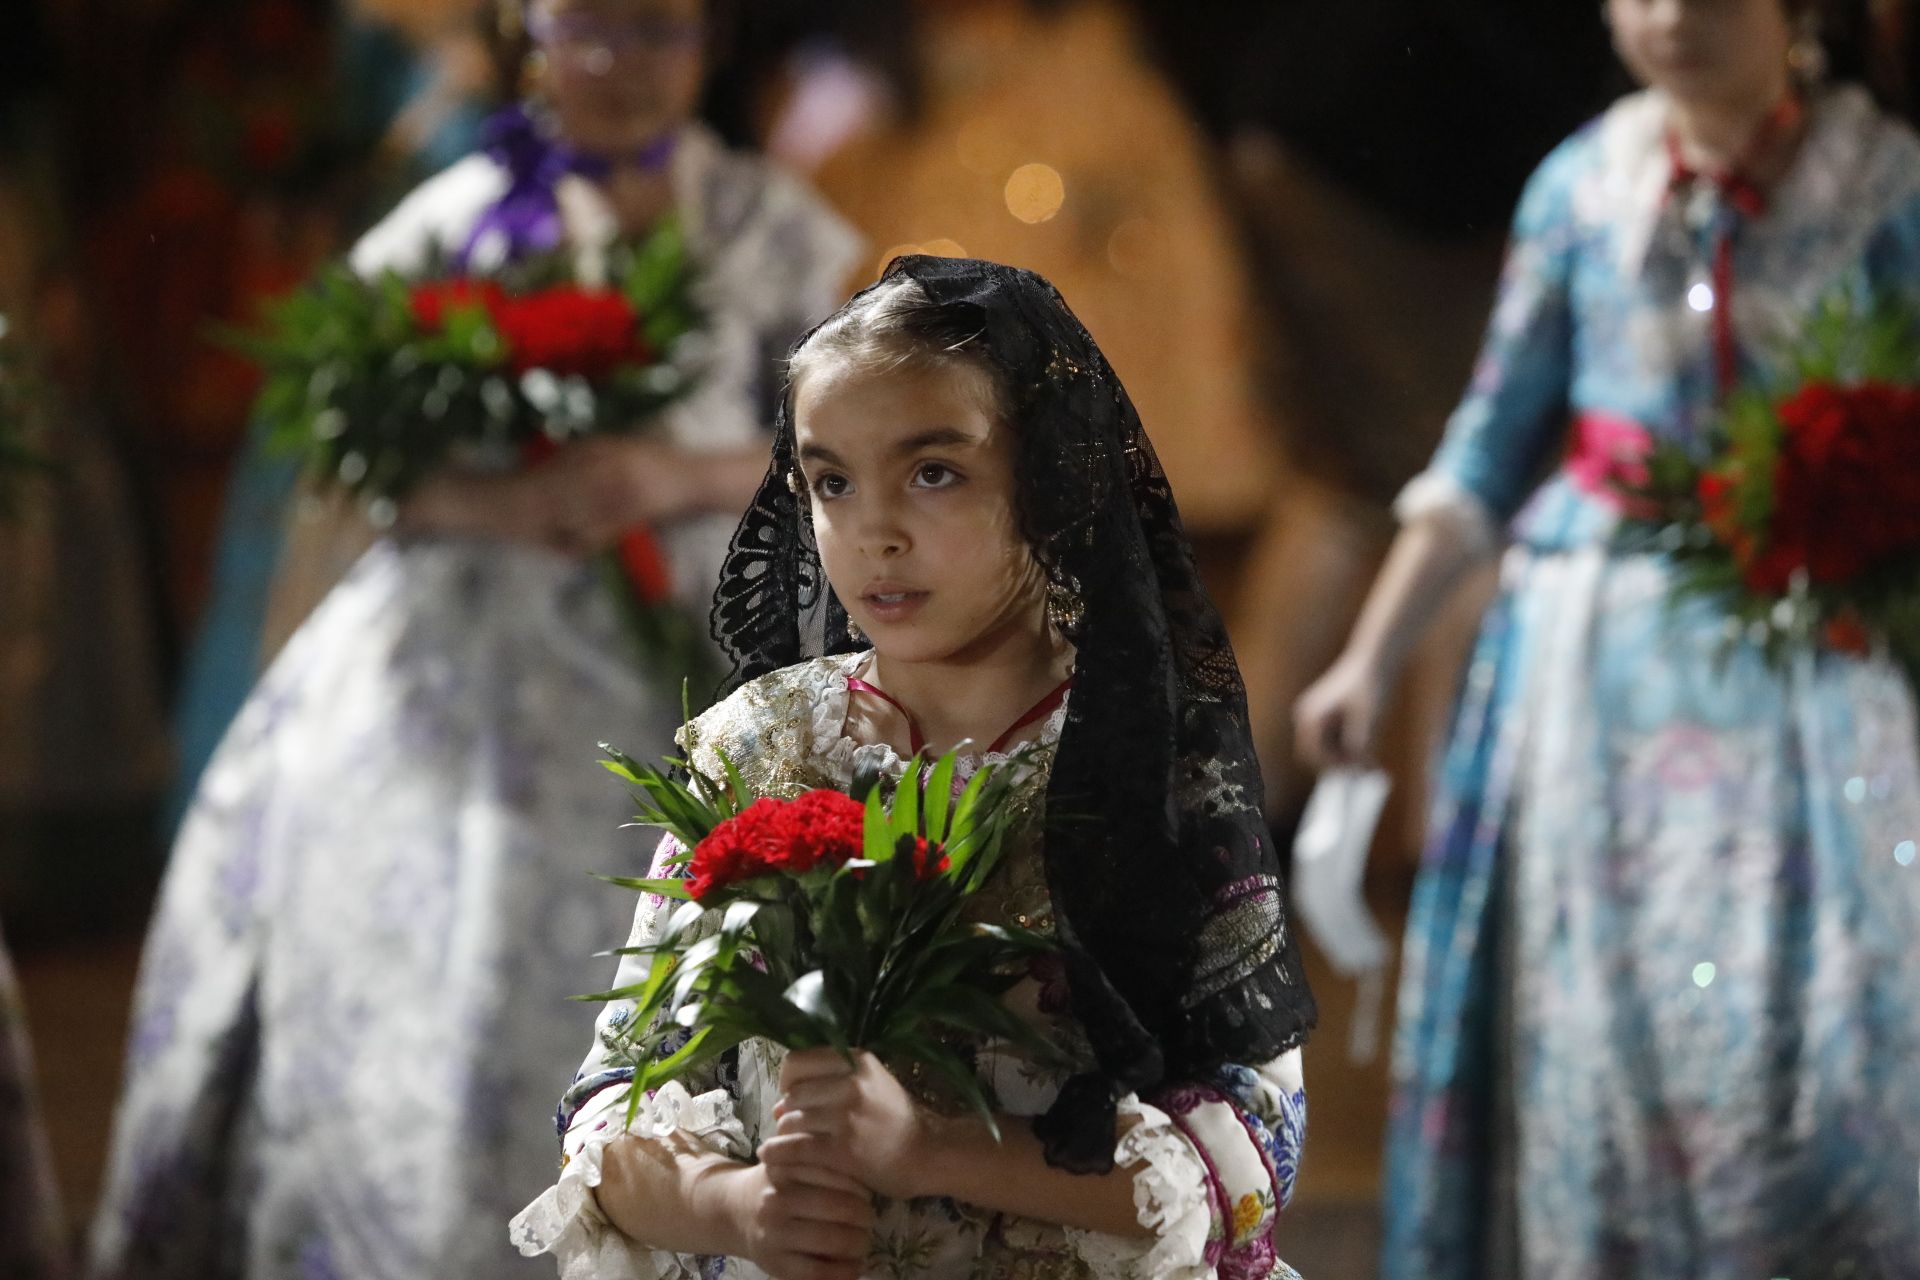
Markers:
{"x": 566, "y": 1221}
{"x": 1171, "y": 1197}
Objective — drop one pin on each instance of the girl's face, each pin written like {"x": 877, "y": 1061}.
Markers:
{"x": 620, "y": 73}
{"x": 910, "y": 477}
{"x": 1711, "y": 52}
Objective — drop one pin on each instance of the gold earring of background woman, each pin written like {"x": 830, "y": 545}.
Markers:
{"x": 1807, "y": 55}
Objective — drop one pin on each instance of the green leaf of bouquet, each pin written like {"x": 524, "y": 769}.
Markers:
{"x": 698, "y": 1050}
{"x": 764, "y": 1006}
{"x": 620, "y": 770}
{"x": 905, "y": 817}
{"x": 773, "y": 930}
{"x": 647, "y": 994}
{"x": 711, "y": 794}
{"x": 964, "y": 814}
{"x": 633, "y": 992}
{"x": 736, "y": 784}
{"x": 663, "y": 886}
{"x": 873, "y": 908}
{"x": 965, "y": 1008}
{"x": 876, "y": 836}
{"x": 835, "y": 920}
{"x": 657, "y": 265}
{"x": 683, "y": 814}
{"x": 636, "y": 949}
{"x": 944, "y": 961}
{"x": 939, "y": 799}
{"x": 719, "y": 1041}
{"x": 975, "y": 855}
{"x": 692, "y": 968}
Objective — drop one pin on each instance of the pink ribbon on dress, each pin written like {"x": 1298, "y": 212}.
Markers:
{"x": 1608, "y": 450}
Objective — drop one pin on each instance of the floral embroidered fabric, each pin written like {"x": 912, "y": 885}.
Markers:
{"x": 1209, "y": 1185}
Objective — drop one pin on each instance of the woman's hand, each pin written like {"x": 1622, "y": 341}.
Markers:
{"x": 802, "y": 1221}
{"x": 500, "y": 506}
{"x": 578, "y": 502}
{"x": 858, "y": 1119}
{"x": 601, "y": 486}
{"x": 1336, "y": 722}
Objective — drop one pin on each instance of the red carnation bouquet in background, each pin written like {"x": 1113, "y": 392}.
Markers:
{"x": 562, "y": 329}
{"x": 1802, "y": 515}
{"x": 825, "y": 920}
{"x": 377, "y": 382}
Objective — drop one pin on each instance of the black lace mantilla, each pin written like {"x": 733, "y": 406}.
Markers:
{"x": 1169, "y": 899}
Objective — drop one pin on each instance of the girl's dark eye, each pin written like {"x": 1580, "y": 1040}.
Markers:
{"x": 934, "y": 475}
{"x": 830, "y": 485}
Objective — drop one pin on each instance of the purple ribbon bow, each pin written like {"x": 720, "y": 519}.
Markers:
{"x": 526, "y": 218}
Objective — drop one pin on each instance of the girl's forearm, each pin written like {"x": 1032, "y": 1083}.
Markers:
{"x": 672, "y": 1194}
{"x": 1012, "y": 1176}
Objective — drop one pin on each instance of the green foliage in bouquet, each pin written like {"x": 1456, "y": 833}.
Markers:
{"x": 825, "y": 921}
{"x": 1800, "y": 514}
{"x": 378, "y": 381}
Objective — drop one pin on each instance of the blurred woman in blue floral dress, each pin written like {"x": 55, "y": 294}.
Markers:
{"x": 1660, "y": 1007}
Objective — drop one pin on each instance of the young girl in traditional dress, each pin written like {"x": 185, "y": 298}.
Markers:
{"x": 354, "y": 994}
{"x": 965, "y": 541}
{"x": 1660, "y": 1011}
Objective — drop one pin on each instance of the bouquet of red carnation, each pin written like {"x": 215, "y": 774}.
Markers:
{"x": 1803, "y": 515}
{"x": 380, "y": 381}
{"x": 827, "y": 919}
{"x": 562, "y": 329}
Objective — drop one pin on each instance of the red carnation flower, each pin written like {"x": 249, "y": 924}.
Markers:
{"x": 929, "y": 860}
{"x": 771, "y": 837}
{"x": 1815, "y": 420}
{"x": 1846, "y": 487}
{"x": 821, "y": 827}
{"x": 568, "y": 331}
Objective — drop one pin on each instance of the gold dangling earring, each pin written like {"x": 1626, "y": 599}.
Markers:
{"x": 1807, "y": 55}
{"x": 854, "y": 633}
{"x": 1065, "y": 609}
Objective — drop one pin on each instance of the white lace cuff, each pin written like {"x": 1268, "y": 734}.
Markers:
{"x": 1437, "y": 495}
{"x": 1169, "y": 1198}
{"x": 566, "y": 1220}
